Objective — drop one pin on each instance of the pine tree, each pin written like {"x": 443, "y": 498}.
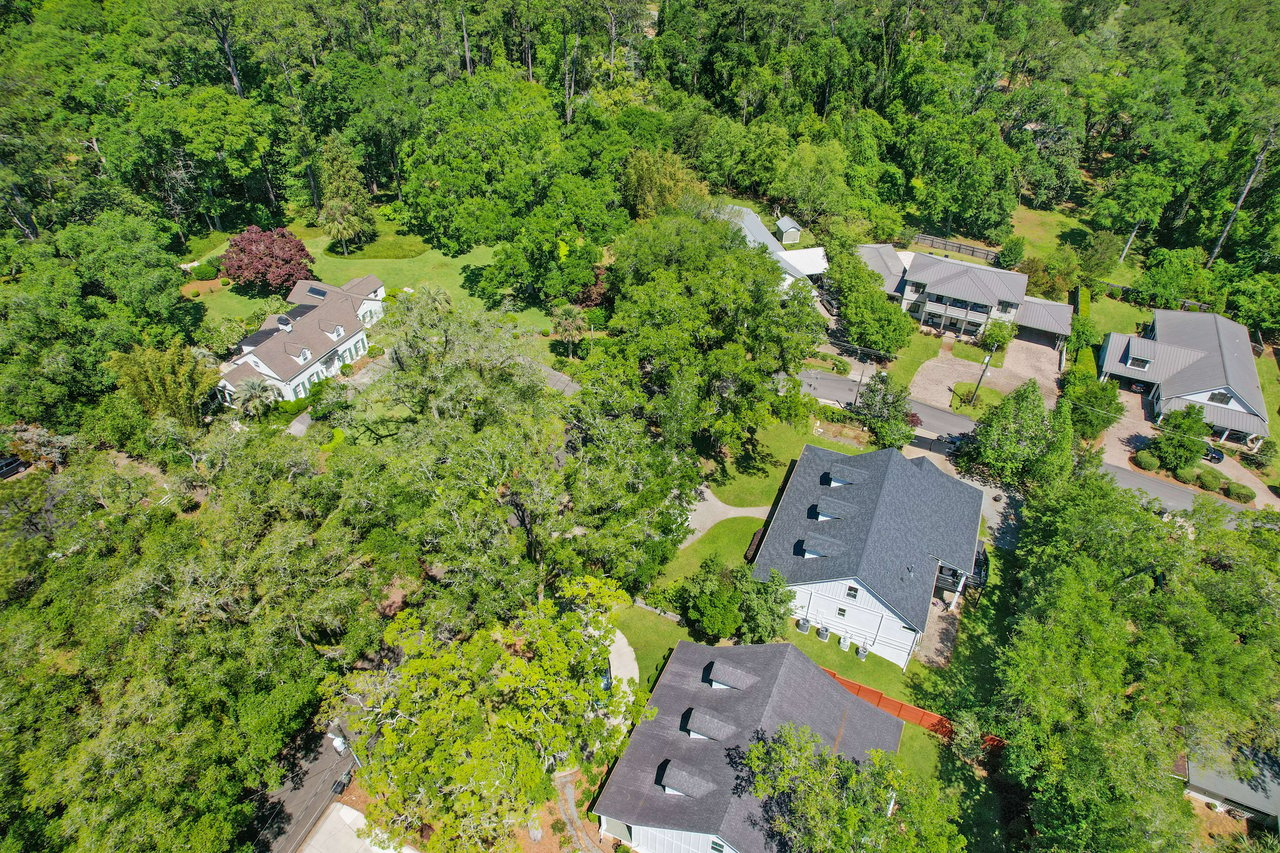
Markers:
{"x": 345, "y": 212}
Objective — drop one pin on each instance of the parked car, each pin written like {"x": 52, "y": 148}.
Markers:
{"x": 12, "y": 466}
{"x": 1138, "y": 387}
{"x": 342, "y": 782}
{"x": 1212, "y": 454}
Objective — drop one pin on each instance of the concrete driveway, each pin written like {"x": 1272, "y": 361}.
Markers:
{"x": 1024, "y": 360}
{"x": 1129, "y": 434}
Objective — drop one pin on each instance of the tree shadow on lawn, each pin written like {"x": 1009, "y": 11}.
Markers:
{"x": 1075, "y": 237}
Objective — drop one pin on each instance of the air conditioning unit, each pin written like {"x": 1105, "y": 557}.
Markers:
{"x": 845, "y": 643}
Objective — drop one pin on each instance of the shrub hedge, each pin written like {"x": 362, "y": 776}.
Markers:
{"x": 1240, "y": 492}
{"x": 1186, "y": 475}
{"x": 1146, "y": 460}
{"x": 1210, "y": 481}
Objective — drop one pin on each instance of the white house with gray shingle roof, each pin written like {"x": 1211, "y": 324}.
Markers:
{"x": 961, "y": 297}
{"x": 1187, "y": 358}
{"x": 324, "y": 330}
{"x": 677, "y": 788}
{"x": 864, "y": 541}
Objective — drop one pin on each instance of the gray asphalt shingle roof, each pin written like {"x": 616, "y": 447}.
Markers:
{"x": 907, "y": 515}
{"x": 787, "y": 687}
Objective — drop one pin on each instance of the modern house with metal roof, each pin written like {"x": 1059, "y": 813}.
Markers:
{"x": 1256, "y": 799}
{"x": 678, "y": 789}
{"x": 1186, "y": 358}
{"x": 324, "y": 330}
{"x": 867, "y": 542}
{"x": 809, "y": 264}
{"x": 960, "y": 297}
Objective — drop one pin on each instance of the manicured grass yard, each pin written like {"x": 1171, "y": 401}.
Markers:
{"x": 728, "y": 540}
{"x": 754, "y": 480}
{"x": 920, "y": 349}
{"x": 976, "y": 354}
{"x": 651, "y": 637}
{"x": 229, "y": 303}
{"x": 962, "y": 391}
{"x": 205, "y": 246}
{"x": 1044, "y": 229}
{"x": 1269, "y": 376}
{"x": 1112, "y": 315}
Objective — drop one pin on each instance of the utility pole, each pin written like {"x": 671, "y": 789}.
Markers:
{"x": 861, "y": 376}
{"x": 986, "y": 362}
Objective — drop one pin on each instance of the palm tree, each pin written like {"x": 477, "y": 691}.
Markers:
{"x": 435, "y": 300}
{"x": 569, "y": 325}
{"x": 255, "y": 397}
{"x": 342, "y": 222}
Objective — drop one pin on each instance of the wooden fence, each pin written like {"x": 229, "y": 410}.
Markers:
{"x": 935, "y": 723}
{"x": 980, "y": 252}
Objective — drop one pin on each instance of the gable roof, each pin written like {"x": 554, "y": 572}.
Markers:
{"x": 1228, "y": 356}
{"x": 786, "y": 223}
{"x": 885, "y": 260}
{"x": 319, "y": 311}
{"x": 1045, "y": 315}
{"x": 1190, "y": 353}
{"x": 907, "y": 515}
{"x": 812, "y": 261}
{"x": 786, "y": 687}
{"x": 753, "y": 228}
{"x": 963, "y": 280}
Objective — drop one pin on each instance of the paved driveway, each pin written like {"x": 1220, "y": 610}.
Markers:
{"x": 1024, "y": 360}
{"x": 1129, "y": 434}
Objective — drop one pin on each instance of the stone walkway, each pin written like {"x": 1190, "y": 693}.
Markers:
{"x": 565, "y": 802}
{"x": 710, "y": 511}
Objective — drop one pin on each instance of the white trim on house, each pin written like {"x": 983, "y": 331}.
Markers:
{"x": 865, "y": 619}
{"x": 652, "y": 839}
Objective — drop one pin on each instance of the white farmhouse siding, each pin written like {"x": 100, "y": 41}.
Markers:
{"x": 860, "y": 540}
{"x": 862, "y": 617}
{"x": 709, "y": 704}
{"x": 647, "y": 839}
{"x": 324, "y": 330}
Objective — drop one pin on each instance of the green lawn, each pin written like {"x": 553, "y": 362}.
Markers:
{"x": 929, "y": 250}
{"x": 651, "y": 637}
{"x": 229, "y": 303}
{"x": 962, "y": 391}
{"x": 754, "y": 479}
{"x": 205, "y": 246}
{"x": 976, "y": 354}
{"x": 1112, "y": 315}
{"x": 1045, "y": 230}
{"x": 391, "y": 243}
{"x": 728, "y": 540}
{"x": 1269, "y": 376}
{"x": 920, "y": 349}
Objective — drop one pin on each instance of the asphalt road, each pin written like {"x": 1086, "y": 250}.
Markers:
{"x": 828, "y": 387}
{"x": 291, "y": 811}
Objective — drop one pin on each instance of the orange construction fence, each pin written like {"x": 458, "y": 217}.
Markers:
{"x": 935, "y": 723}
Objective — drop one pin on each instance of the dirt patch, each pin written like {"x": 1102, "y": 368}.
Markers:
{"x": 842, "y": 432}
{"x": 192, "y": 289}
{"x": 1215, "y": 824}
{"x": 550, "y": 842}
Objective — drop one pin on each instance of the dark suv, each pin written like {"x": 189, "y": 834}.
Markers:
{"x": 1212, "y": 454}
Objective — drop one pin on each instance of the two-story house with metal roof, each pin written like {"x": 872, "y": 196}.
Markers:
{"x": 961, "y": 297}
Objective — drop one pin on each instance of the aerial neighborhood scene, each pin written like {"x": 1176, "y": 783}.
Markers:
{"x": 629, "y": 427}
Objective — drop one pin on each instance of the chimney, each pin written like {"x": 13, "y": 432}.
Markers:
{"x": 284, "y": 322}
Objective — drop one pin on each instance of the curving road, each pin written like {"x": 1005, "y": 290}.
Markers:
{"x": 839, "y": 390}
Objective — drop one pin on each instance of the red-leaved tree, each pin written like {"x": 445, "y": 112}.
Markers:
{"x": 276, "y": 259}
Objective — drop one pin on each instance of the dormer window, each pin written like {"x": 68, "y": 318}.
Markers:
{"x": 304, "y": 356}
{"x": 724, "y": 677}
{"x": 677, "y": 778}
{"x": 702, "y": 725}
